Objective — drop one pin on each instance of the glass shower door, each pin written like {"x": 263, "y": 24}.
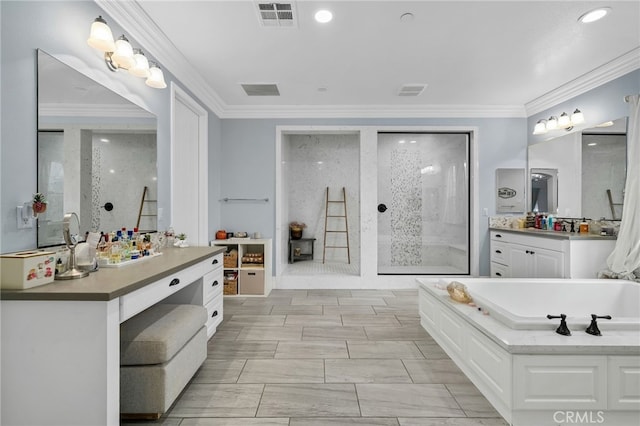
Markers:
{"x": 423, "y": 203}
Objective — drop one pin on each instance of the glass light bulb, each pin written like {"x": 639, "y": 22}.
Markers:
{"x": 564, "y": 121}
{"x": 156, "y": 77}
{"x": 100, "y": 36}
{"x": 141, "y": 67}
{"x": 540, "y": 128}
{"x": 123, "y": 55}
{"x": 577, "y": 117}
{"x": 552, "y": 123}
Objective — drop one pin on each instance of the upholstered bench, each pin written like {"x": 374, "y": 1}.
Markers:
{"x": 160, "y": 350}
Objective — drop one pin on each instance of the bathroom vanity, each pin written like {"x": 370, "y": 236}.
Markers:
{"x": 61, "y": 341}
{"x": 534, "y": 253}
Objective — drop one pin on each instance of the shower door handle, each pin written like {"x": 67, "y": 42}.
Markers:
{"x": 382, "y": 208}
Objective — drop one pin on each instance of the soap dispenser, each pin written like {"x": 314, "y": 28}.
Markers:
{"x": 584, "y": 226}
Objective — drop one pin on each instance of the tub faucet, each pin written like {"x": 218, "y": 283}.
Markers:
{"x": 562, "y": 329}
{"x": 593, "y": 327}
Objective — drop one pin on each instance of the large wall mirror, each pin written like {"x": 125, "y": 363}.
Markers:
{"x": 580, "y": 174}
{"x": 96, "y": 154}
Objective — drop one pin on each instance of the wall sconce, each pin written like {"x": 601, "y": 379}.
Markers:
{"x": 565, "y": 122}
{"x": 120, "y": 55}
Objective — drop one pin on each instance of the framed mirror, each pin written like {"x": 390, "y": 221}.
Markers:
{"x": 587, "y": 171}
{"x": 96, "y": 154}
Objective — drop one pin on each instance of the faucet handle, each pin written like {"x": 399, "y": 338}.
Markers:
{"x": 593, "y": 327}
{"x": 562, "y": 328}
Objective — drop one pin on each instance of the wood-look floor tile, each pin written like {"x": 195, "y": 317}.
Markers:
{"x": 389, "y": 350}
{"x": 415, "y": 332}
{"x": 315, "y": 300}
{"x": 333, "y": 333}
{"x": 406, "y": 292}
{"x": 471, "y": 400}
{"x": 366, "y": 301}
{"x": 262, "y": 301}
{"x": 411, "y": 301}
{"x": 241, "y": 349}
{"x": 239, "y": 321}
{"x": 283, "y": 371}
{"x": 431, "y": 350}
{"x": 241, "y": 421}
{"x": 441, "y": 371}
{"x": 344, "y": 421}
{"x": 309, "y": 400}
{"x": 411, "y": 400}
{"x": 270, "y": 333}
{"x": 329, "y": 292}
{"x": 365, "y": 371}
{"x": 220, "y": 400}
{"x": 364, "y": 319}
{"x": 312, "y": 349}
{"x": 351, "y": 309}
{"x": 219, "y": 371}
{"x": 372, "y": 293}
{"x": 314, "y": 320}
{"x": 451, "y": 422}
{"x": 247, "y": 310}
{"x": 296, "y": 310}
{"x": 288, "y": 293}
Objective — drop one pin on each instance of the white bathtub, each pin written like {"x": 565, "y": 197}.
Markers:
{"x": 523, "y": 304}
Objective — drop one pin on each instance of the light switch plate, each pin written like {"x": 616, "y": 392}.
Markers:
{"x": 23, "y": 223}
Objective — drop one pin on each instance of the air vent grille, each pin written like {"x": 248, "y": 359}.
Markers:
{"x": 261, "y": 89}
{"x": 277, "y": 14}
{"x": 411, "y": 89}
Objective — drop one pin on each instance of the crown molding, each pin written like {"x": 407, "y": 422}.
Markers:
{"x": 375, "y": 111}
{"x": 618, "y": 67}
{"x": 135, "y": 21}
{"x": 92, "y": 110}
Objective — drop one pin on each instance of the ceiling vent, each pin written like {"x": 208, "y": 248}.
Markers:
{"x": 276, "y": 14}
{"x": 261, "y": 89}
{"x": 411, "y": 89}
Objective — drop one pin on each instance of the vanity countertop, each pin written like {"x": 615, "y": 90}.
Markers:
{"x": 554, "y": 234}
{"x": 110, "y": 283}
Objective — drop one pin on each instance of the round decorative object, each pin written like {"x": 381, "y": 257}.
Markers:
{"x": 39, "y": 207}
{"x": 221, "y": 235}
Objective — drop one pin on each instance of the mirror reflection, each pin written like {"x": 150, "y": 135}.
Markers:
{"x": 580, "y": 174}
{"x": 94, "y": 148}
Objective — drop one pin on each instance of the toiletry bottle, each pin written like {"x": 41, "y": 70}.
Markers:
{"x": 538, "y": 222}
{"x": 584, "y": 226}
{"x": 550, "y": 223}
{"x": 557, "y": 226}
{"x": 544, "y": 222}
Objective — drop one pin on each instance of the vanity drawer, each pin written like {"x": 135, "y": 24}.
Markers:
{"x": 499, "y": 270}
{"x": 139, "y": 300}
{"x": 214, "y": 314}
{"x": 500, "y": 252}
{"x": 212, "y": 283}
{"x": 214, "y": 263}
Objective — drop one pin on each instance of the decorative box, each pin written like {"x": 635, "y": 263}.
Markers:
{"x": 27, "y": 269}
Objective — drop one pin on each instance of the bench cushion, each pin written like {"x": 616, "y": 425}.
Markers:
{"x": 155, "y": 335}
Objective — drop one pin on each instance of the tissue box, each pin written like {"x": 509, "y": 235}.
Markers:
{"x": 27, "y": 269}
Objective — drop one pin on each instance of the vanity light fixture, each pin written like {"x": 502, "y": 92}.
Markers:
{"x": 120, "y": 55}
{"x": 594, "y": 15}
{"x": 323, "y": 16}
{"x": 565, "y": 121}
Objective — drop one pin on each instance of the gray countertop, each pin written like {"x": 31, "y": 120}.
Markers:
{"x": 110, "y": 283}
{"x": 554, "y": 234}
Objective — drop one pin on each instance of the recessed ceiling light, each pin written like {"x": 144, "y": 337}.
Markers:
{"x": 323, "y": 16}
{"x": 594, "y": 15}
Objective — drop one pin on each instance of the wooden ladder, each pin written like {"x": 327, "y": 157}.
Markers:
{"x": 140, "y": 215}
{"x": 612, "y": 204}
{"x": 346, "y": 224}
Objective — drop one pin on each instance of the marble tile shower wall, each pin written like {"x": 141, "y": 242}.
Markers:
{"x": 119, "y": 174}
{"x": 314, "y": 163}
{"x": 423, "y": 186}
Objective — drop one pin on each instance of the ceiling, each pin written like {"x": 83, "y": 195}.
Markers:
{"x": 493, "y": 57}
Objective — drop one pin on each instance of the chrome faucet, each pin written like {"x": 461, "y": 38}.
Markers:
{"x": 593, "y": 327}
{"x": 563, "y": 328}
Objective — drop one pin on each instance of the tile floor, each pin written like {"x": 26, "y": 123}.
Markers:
{"x": 328, "y": 357}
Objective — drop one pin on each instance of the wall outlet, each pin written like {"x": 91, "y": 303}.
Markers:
{"x": 24, "y": 218}
{"x": 485, "y": 211}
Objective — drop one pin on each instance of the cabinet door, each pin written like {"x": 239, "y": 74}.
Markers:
{"x": 521, "y": 261}
{"x": 548, "y": 263}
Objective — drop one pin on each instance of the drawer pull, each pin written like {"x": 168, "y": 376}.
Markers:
{"x": 174, "y": 281}
{"x": 215, "y": 283}
{"x": 498, "y": 235}
{"x": 215, "y": 314}
{"x": 214, "y": 261}
{"x": 498, "y": 274}
{"x": 499, "y": 251}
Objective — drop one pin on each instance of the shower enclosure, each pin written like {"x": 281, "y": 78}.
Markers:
{"x": 423, "y": 203}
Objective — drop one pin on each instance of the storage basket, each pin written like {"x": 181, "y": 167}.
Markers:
{"x": 230, "y": 285}
{"x": 231, "y": 259}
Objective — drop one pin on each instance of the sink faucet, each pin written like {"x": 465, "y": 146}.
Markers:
{"x": 593, "y": 327}
{"x": 562, "y": 329}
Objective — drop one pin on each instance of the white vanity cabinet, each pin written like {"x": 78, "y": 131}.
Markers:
{"x": 529, "y": 253}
